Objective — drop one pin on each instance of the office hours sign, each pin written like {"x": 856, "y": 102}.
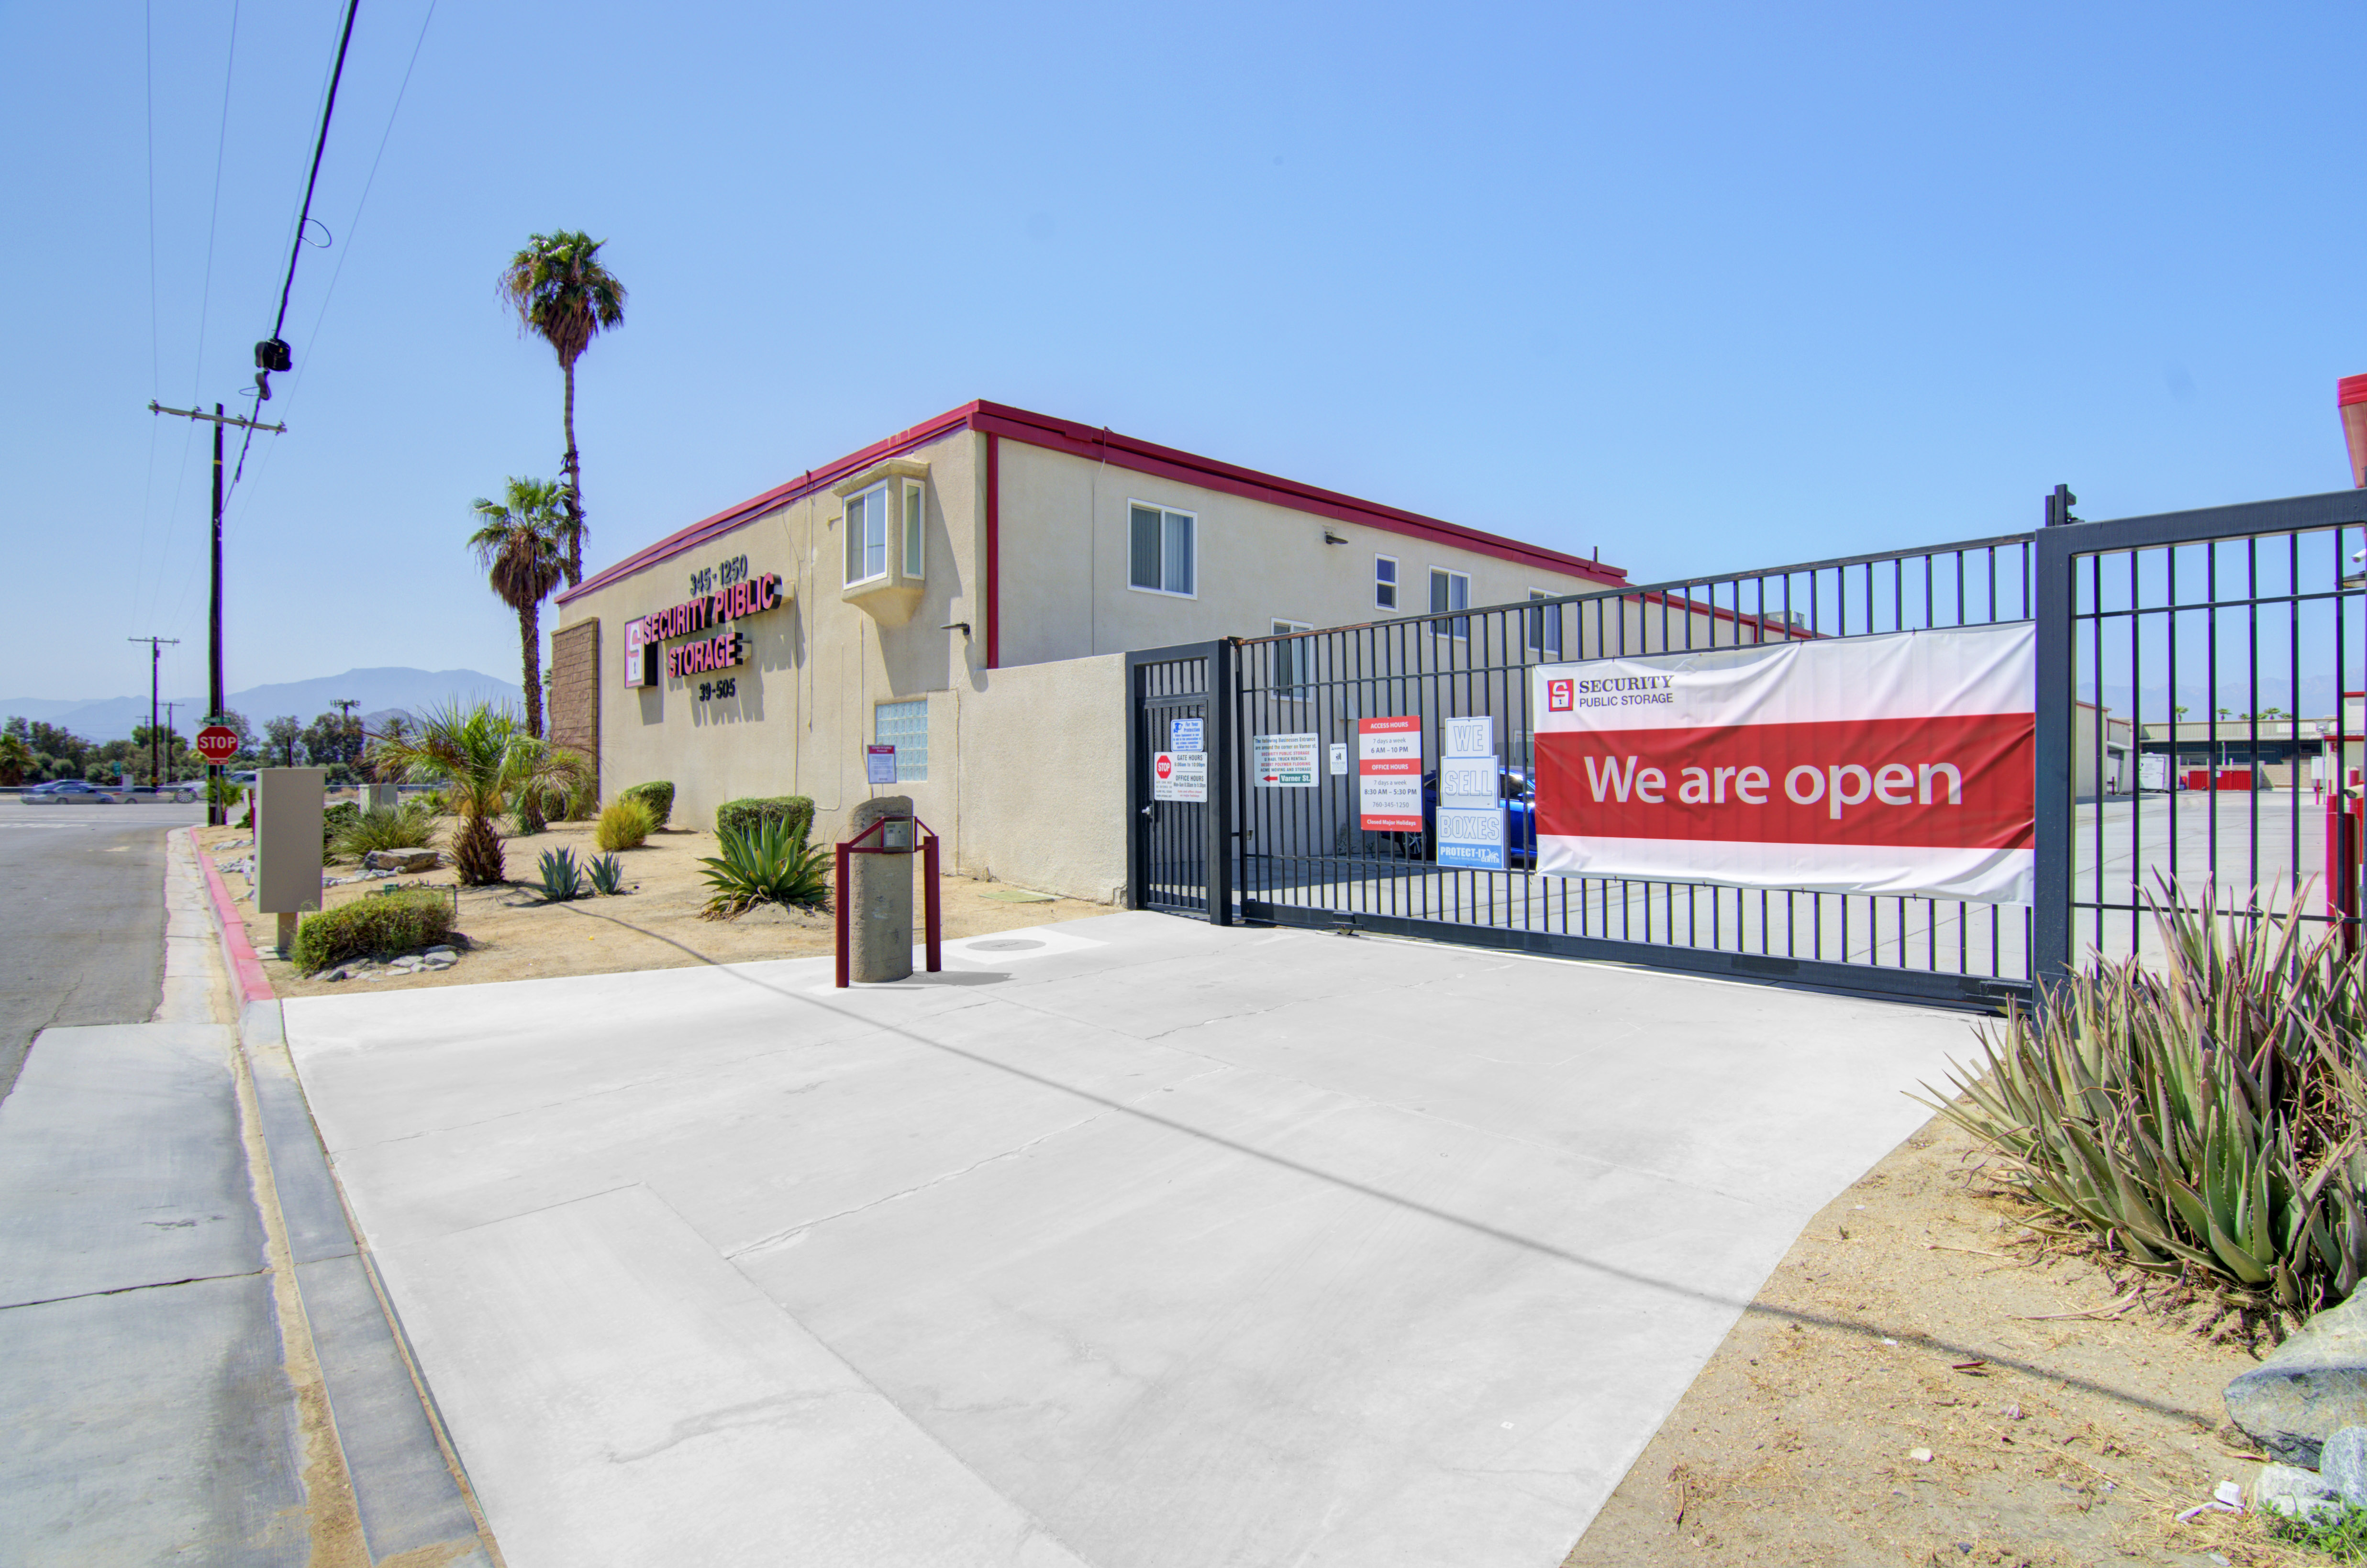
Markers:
{"x": 1896, "y": 764}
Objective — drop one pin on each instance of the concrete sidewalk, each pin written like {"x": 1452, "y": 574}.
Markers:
{"x": 1127, "y": 1241}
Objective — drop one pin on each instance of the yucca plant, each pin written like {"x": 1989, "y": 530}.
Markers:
{"x": 608, "y": 875}
{"x": 2209, "y": 1118}
{"x": 561, "y": 877}
{"x": 766, "y": 864}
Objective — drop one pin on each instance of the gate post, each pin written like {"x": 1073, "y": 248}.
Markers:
{"x": 1220, "y": 741}
{"x": 2050, "y": 932}
{"x": 1138, "y": 803}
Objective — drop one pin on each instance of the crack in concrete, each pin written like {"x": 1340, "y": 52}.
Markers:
{"x": 127, "y": 1290}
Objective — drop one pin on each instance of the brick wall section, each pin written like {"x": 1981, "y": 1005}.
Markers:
{"x": 575, "y": 688}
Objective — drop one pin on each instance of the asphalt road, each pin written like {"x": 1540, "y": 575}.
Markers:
{"x": 81, "y": 924}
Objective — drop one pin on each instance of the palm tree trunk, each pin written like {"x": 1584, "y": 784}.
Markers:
{"x": 530, "y": 648}
{"x": 574, "y": 488}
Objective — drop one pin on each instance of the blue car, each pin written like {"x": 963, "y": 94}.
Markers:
{"x": 1520, "y": 797}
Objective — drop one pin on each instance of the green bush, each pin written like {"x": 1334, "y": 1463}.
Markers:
{"x": 409, "y": 826}
{"x": 333, "y": 820}
{"x": 382, "y": 923}
{"x": 2205, "y": 1121}
{"x": 742, "y": 816}
{"x": 658, "y": 797}
{"x": 624, "y": 823}
{"x": 766, "y": 864}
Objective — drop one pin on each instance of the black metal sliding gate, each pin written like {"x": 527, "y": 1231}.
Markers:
{"x": 2145, "y": 627}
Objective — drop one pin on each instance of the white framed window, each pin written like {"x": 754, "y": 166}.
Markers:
{"x": 1450, "y": 591}
{"x": 1294, "y": 661}
{"x": 867, "y": 534}
{"x": 1161, "y": 551}
{"x": 916, "y": 517}
{"x": 1543, "y": 626}
{"x": 904, "y": 726}
{"x": 1385, "y": 582}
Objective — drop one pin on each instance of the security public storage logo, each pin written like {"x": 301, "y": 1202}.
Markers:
{"x": 1559, "y": 698}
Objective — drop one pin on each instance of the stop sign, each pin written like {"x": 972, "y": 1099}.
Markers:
{"x": 217, "y": 744}
{"x": 1166, "y": 766}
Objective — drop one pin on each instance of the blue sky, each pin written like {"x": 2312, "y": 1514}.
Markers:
{"x": 1708, "y": 288}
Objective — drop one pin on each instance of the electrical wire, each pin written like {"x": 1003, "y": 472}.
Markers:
{"x": 311, "y": 181}
{"x": 155, "y": 330}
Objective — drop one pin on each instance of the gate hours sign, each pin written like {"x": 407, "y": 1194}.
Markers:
{"x": 1179, "y": 776}
{"x": 1896, "y": 764}
{"x": 1389, "y": 773}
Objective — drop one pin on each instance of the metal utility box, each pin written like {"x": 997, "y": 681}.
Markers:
{"x": 381, "y": 797}
{"x": 288, "y": 839}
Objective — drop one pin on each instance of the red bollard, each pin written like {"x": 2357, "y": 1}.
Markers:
{"x": 929, "y": 902}
{"x": 2343, "y": 836}
{"x": 838, "y": 904}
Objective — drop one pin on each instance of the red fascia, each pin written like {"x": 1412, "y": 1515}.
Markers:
{"x": 995, "y": 420}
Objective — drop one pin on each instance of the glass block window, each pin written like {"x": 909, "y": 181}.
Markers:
{"x": 904, "y": 726}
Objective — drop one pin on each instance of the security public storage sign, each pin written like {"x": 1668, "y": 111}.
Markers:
{"x": 1389, "y": 773}
{"x": 1897, "y": 764}
{"x": 1179, "y": 776}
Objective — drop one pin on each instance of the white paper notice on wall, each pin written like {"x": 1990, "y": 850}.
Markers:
{"x": 1339, "y": 759}
{"x": 1284, "y": 761}
{"x": 879, "y": 764}
{"x": 1179, "y": 776}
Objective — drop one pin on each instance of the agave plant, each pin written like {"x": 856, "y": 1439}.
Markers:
{"x": 766, "y": 864}
{"x": 561, "y": 877}
{"x": 2211, "y": 1117}
{"x": 608, "y": 875}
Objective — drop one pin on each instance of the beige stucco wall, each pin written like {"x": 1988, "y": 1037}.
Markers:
{"x": 818, "y": 666}
{"x": 1064, "y": 588}
{"x": 1042, "y": 783}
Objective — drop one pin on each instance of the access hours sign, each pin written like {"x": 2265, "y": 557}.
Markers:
{"x": 1389, "y": 773}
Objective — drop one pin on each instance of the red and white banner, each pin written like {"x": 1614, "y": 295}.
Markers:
{"x": 1895, "y": 764}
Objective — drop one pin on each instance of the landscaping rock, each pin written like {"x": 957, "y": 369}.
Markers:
{"x": 401, "y": 860}
{"x": 2309, "y": 1388}
{"x": 2296, "y": 1494}
{"x": 2342, "y": 1465}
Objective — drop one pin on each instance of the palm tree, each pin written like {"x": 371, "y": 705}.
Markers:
{"x": 521, "y": 543}
{"x": 482, "y": 759}
{"x": 565, "y": 297}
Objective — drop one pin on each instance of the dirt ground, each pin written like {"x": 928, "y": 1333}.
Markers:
{"x": 513, "y": 935}
{"x": 1909, "y": 1317}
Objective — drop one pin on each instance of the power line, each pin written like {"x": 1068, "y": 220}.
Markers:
{"x": 272, "y": 353}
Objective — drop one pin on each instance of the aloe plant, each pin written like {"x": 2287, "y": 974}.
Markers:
{"x": 2210, "y": 1117}
{"x": 561, "y": 878}
{"x": 766, "y": 862}
{"x": 608, "y": 875}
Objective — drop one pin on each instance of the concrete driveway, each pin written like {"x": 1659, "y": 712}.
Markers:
{"x": 1128, "y": 1242}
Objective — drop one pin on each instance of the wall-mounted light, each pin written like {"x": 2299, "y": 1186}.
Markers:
{"x": 1332, "y": 538}
{"x": 961, "y": 627}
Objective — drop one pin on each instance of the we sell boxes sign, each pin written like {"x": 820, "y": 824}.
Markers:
{"x": 1895, "y": 764}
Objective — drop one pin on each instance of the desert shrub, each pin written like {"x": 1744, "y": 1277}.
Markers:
{"x": 333, "y": 819}
{"x": 768, "y": 864}
{"x": 435, "y": 802}
{"x": 739, "y": 816}
{"x": 658, "y": 797}
{"x": 2204, "y": 1121}
{"x": 608, "y": 875}
{"x": 583, "y": 799}
{"x": 385, "y": 922}
{"x": 408, "y": 826}
{"x": 559, "y": 876}
{"x": 624, "y": 824}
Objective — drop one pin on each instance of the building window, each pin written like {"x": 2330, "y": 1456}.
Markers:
{"x": 915, "y": 515}
{"x": 867, "y": 534}
{"x": 904, "y": 726}
{"x": 1160, "y": 550}
{"x": 1385, "y": 582}
{"x": 1294, "y": 660}
{"x": 1450, "y": 591}
{"x": 1543, "y": 626}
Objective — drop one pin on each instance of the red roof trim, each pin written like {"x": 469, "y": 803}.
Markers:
{"x": 1126, "y": 452}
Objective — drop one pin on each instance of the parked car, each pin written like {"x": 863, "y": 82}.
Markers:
{"x": 66, "y": 792}
{"x": 184, "y": 792}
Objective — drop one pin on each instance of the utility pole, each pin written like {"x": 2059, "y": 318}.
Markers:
{"x": 156, "y": 656}
{"x": 168, "y": 732}
{"x": 214, "y": 814}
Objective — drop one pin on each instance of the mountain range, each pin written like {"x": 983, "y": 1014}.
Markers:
{"x": 379, "y": 691}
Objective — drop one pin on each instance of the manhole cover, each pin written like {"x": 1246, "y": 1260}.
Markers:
{"x": 1012, "y": 944}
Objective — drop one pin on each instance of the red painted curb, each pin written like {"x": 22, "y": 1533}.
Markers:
{"x": 244, "y": 967}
